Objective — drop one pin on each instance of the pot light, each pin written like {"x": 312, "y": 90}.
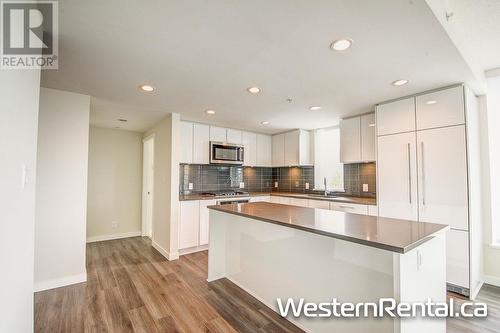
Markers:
{"x": 210, "y": 111}
{"x": 315, "y": 108}
{"x": 265, "y": 123}
{"x": 253, "y": 90}
{"x": 341, "y": 44}
{"x": 431, "y": 102}
{"x": 122, "y": 120}
{"x": 147, "y": 88}
{"x": 399, "y": 83}
{"x": 371, "y": 125}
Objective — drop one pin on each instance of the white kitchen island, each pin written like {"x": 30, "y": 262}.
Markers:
{"x": 279, "y": 251}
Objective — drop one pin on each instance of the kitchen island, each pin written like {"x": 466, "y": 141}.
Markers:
{"x": 280, "y": 251}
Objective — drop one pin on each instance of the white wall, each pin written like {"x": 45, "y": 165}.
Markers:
{"x": 114, "y": 184}
{"x": 491, "y": 205}
{"x": 61, "y": 193}
{"x": 19, "y": 90}
{"x": 167, "y": 151}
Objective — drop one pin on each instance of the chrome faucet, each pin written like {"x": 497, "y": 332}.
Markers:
{"x": 324, "y": 183}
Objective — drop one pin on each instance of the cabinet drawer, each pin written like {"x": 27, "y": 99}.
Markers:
{"x": 349, "y": 208}
{"x": 322, "y": 204}
{"x": 298, "y": 202}
{"x": 265, "y": 198}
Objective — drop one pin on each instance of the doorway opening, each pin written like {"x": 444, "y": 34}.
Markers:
{"x": 148, "y": 186}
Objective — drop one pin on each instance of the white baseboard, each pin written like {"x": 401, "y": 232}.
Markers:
{"x": 165, "y": 253}
{"x": 113, "y": 236}
{"x": 61, "y": 282}
{"x": 493, "y": 280}
{"x": 193, "y": 249}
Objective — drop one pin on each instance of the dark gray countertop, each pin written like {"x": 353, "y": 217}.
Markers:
{"x": 339, "y": 198}
{"x": 384, "y": 233}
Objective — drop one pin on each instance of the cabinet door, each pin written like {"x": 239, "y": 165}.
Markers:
{"x": 264, "y": 150}
{"x": 204, "y": 220}
{"x": 234, "y": 136}
{"x": 441, "y": 108}
{"x": 397, "y": 176}
{"x": 249, "y": 141}
{"x": 218, "y": 134}
{"x": 274, "y": 199}
{"x": 278, "y": 150}
{"x": 292, "y": 142}
{"x": 442, "y": 176}
{"x": 396, "y": 117}
{"x": 186, "y": 142}
{"x": 368, "y": 137}
{"x": 305, "y": 148}
{"x": 457, "y": 258}
{"x": 201, "y": 144}
{"x": 265, "y": 198}
{"x": 322, "y": 204}
{"x": 349, "y": 208}
{"x": 189, "y": 224}
{"x": 350, "y": 140}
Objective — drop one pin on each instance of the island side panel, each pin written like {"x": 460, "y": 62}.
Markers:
{"x": 420, "y": 275}
{"x": 271, "y": 261}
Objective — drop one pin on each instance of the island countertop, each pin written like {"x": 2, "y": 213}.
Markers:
{"x": 389, "y": 234}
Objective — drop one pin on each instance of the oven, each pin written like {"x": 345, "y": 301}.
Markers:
{"x": 226, "y": 153}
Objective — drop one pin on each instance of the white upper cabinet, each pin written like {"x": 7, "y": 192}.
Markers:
{"x": 305, "y": 150}
{"x": 186, "y": 142}
{"x": 397, "y": 176}
{"x": 264, "y": 150}
{"x": 249, "y": 141}
{"x": 218, "y": 134}
{"x": 234, "y": 136}
{"x": 201, "y": 144}
{"x": 350, "y": 140}
{"x": 368, "y": 138}
{"x": 292, "y": 142}
{"x": 278, "y": 150}
{"x": 396, "y": 117}
{"x": 442, "y": 176}
{"x": 441, "y": 108}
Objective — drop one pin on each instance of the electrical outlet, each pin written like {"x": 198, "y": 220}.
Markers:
{"x": 276, "y": 184}
{"x": 307, "y": 186}
{"x": 114, "y": 224}
{"x": 297, "y": 183}
{"x": 190, "y": 186}
{"x": 365, "y": 187}
{"x": 242, "y": 185}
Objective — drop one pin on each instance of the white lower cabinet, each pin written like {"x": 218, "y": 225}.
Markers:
{"x": 204, "y": 218}
{"x": 372, "y": 210}
{"x": 298, "y": 202}
{"x": 457, "y": 258}
{"x": 322, "y": 204}
{"x": 189, "y": 224}
{"x": 349, "y": 208}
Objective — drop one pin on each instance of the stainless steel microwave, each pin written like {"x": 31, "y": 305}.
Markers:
{"x": 226, "y": 153}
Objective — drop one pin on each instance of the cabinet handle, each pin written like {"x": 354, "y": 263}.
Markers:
{"x": 348, "y": 207}
{"x": 409, "y": 174}
{"x": 423, "y": 173}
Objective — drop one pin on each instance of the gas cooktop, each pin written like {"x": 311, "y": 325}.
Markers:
{"x": 224, "y": 193}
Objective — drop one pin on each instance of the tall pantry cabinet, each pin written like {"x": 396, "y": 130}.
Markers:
{"x": 424, "y": 173}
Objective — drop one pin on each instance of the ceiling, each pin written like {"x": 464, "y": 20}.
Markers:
{"x": 204, "y": 54}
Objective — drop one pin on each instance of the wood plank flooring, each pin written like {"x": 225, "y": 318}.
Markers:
{"x": 133, "y": 288}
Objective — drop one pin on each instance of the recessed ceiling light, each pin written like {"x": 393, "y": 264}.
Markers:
{"x": 341, "y": 44}
{"x": 253, "y": 90}
{"x": 117, "y": 127}
{"x": 122, "y": 120}
{"x": 315, "y": 108}
{"x": 265, "y": 123}
{"x": 210, "y": 111}
{"x": 399, "y": 82}
{"x": 371, "y": 125}
{"x": 147, "y": 88}
{"x": 431, "y": 102}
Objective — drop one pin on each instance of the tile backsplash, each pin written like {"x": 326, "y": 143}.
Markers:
{"x": 213, "y": 178}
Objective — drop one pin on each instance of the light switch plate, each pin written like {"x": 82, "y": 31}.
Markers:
{"x": 242, "y": 185}
{"x": 307, "y": 186}
{"x": 365, "y": 187}
{"x": 190, "y": 186}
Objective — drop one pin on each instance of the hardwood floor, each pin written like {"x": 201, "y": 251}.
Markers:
{"x": 133, "y": 288}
